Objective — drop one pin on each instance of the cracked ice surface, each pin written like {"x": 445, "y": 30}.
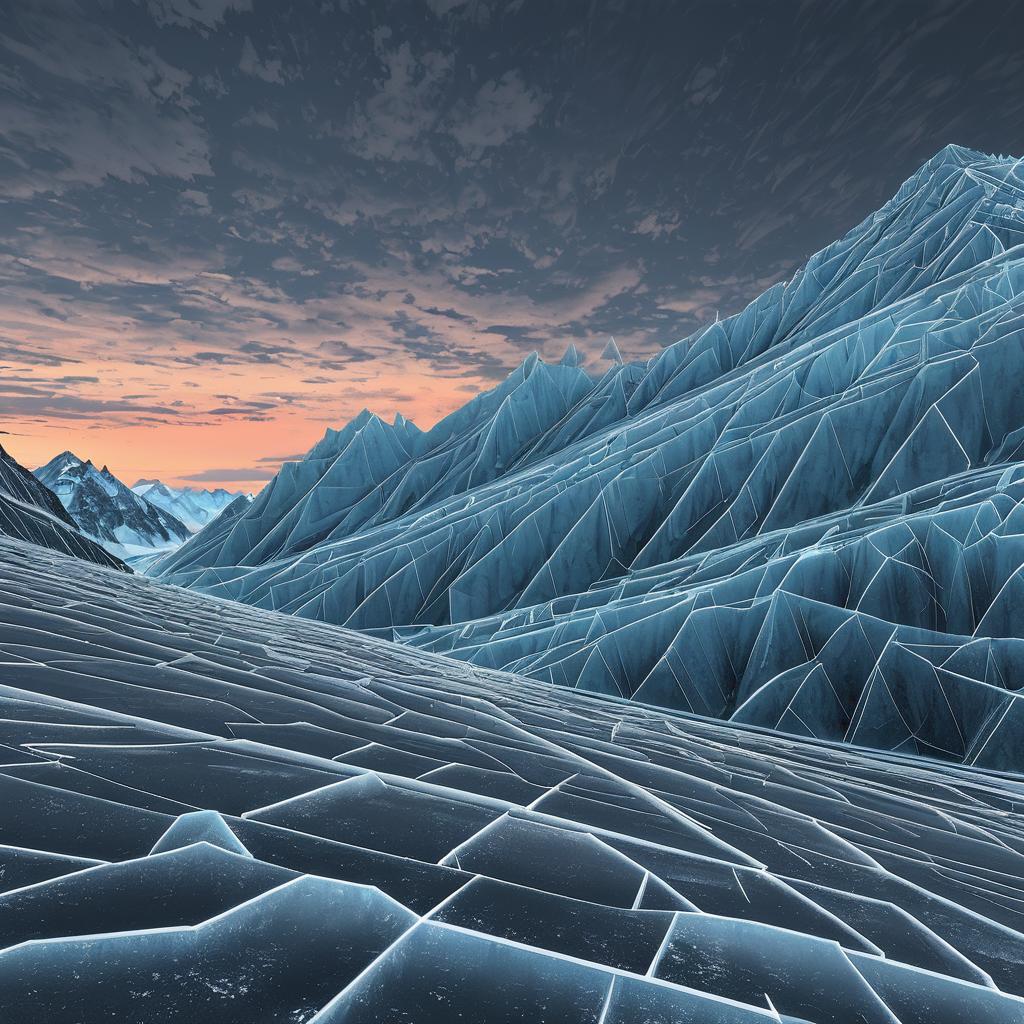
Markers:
{"x": 806, "y": 517}
{"x": 210, "y": 812}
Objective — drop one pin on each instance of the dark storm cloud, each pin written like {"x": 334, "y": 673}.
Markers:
{"x": 342, "y": 352}
{"x": 247, "y": 409}
{"x": 229, "y": 183}
{"x": 48, "y": 400}
{"x": 202, "y": 15}
{"x": 259, "y": 352}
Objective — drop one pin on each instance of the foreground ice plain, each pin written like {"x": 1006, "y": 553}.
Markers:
{"x": 211, "y": 812}
{"x": 807, "y": 517}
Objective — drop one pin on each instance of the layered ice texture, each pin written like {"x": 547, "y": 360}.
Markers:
{"x": 807, "y": 516}
{"x": 214, "y": 813}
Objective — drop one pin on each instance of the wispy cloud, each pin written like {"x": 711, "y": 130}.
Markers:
{"x": 237, "y": 474}
{"x": 312, "y": 208}
{"x": 503, "y": 107}
{"x": 199, "y": 14}
{"x": 269, "y": 69}
{"x": 395, "y": 121}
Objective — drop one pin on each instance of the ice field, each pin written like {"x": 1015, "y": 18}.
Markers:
{"x": 213, "y": 812}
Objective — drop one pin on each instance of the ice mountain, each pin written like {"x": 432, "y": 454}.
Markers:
{"x": 807, "y": 516}
{"x": 106, "y": 510}
{"x": 193, "y": 506}
{"x": 214, "y": 813}
{"x": 30, "y": 511}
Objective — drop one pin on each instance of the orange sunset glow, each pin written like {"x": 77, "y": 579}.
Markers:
{"x": 238, "y": 452}
{"x": 217, "y": 241}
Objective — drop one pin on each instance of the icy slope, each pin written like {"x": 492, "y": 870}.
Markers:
{"x": 30, "y": 511}
{"x": 806, "y": 516}
{"x": 124, "y": 522}
{"x": 193, "y": 506}
{"x": 214, "y": 813}
{"x": 371, "y": 472}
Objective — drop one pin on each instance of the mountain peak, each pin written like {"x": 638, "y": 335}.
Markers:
{"x": 572, "y": 357}
{"x": 30, "y": 511}
{"x": 953, "y": 153}
{"x": 611, "y": 351}
{"x": 66, "y": 458}
{"x": 195, "y": 507}
{"x": 106, "y": 510}
{"x": 622, "y": 534}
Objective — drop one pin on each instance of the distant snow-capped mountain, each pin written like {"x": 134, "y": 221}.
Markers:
{"x": 30, "y": 511}
{"x": 193, "y": 506}
{"x": 105, "y": 509}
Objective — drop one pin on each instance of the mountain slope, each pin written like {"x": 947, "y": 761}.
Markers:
{"x": 195, "y": 507}
{"x": 212, "y": 812}
{"x": 30, "y": 511}
{"x": 806, "y": 516}
{"x": 106, "y": 510}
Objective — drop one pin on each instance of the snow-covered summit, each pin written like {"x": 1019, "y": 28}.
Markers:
{"x": 193, "y": 506}
{"x": 124, "y": 522}
{"x": 30, "y": 511}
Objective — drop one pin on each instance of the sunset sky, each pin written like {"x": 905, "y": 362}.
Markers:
{"x": 228, "y": 224}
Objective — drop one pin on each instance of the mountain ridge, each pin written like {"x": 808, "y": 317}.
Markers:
{"x": 801, "y": 478}
{"x": 30, "y": 511}
{"x": 193, "y": 506}
{"x": 106, "y": 509}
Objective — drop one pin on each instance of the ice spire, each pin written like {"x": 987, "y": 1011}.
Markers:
{"x": 572, "y": 357}
{"x": 611, "y": 351}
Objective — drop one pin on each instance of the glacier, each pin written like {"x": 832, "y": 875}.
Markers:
{"x": 805, "y": 517}
{"x": 214, "y": 812}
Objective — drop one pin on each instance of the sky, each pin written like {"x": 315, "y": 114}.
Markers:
{"x": 228, "y": 224}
